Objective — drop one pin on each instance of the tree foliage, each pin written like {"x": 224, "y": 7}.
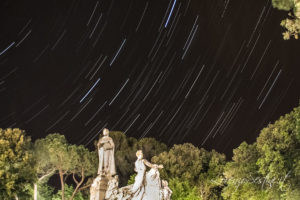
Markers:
{"x": 183, "y": 190}
{"x": 17, "y": 172}
{"x": 69, "y": 190}
{"x": 241, "y": 175}
{"x": 268, "y": 168}
{"x": 55, "y": 153}
{"x": 85, "y": 164}
{"x": 279, "y": 149}
{"x": 283, "y": 4}
{"x": 292, "y": 23}
{"x": 131, "y": 179}
{"x": 196, "y": 166}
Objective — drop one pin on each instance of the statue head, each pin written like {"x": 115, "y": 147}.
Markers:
{"x": 116, "y": 177}
{"x": 105, "y": 132}
{"x": 139, "y": 154}
{"x": 165, "y": 183}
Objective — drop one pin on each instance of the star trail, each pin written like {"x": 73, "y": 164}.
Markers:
{"x": 209, "y": 72}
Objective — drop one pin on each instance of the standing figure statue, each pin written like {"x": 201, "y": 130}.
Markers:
{"x": 138, "y": 188}
{"x": 166, "y": 191}
{"x": 106, "y": 149}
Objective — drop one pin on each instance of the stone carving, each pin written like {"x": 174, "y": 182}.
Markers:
{"x": 166, "y": 191}
{"x": 106, "y": 151}
{"x": 147, "y": 185}
{"x": 99, "y": 188}
{"x": 139, "y": 189}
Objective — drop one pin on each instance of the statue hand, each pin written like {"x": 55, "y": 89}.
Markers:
{"x": 161, "y": 166}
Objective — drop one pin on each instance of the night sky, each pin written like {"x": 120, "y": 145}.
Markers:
{"x": 210, "y": 72}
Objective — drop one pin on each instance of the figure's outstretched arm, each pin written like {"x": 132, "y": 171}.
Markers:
{"x": 147, "y": 163}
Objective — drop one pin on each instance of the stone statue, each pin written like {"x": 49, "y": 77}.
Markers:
{"x": 106, "y": 150}
{"x": 146, "y": 186}
{"x": 112, "y": 189}
{"x": 138, "y": 188}
{"x": 166, "y": 191}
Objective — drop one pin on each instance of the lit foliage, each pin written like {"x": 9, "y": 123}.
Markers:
{"x": 183, "y": 190}
{"x": 283, "y": 4}
{"x": 198, "y": 167}
{"x": 66, "y": 159}
{"x": 17, "y": 172}
{"x": 84, "y": 165}
{"x": 243, "y": 181}
{"x": 131, "y": 179}
{"x": 268, "y": 168}
{"x": 45, "y": 192}
{"x": 69, "y": 190}
{"x": 291, "y": 24}
{"x": 279, "y": 149}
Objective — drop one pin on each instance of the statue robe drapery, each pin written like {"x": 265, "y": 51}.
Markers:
{"x": 106, "y": 158}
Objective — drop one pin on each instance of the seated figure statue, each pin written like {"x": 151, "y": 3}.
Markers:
{"x": 145, "y": 184}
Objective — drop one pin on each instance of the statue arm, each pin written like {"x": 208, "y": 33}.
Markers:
{"x": 112, "y": 144}
{"x": 98, "y": 144}
{"x": 147, "y": 163}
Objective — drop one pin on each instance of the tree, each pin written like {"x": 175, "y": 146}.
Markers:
{"x": 55, "y": 154}
{"x": 243, "y": 181}
{"x": 279, "y": 149}
{"x": 268, "y": 168}
{"x": 283, "y": 4}
{"x": 183, "y": 190}
{"x": 291, "y": 24}
{"x": 45, "y": 192}
{"x": 84, "y": 165}
{"x": 196, "y": 166}
{"x": 17, "y": 170}
{"x": 210, "y": 182}
{"x": 45, "y": 168}
{"x": 69, "y": 190}
{"x": 151, "y": 147}
{"x": 59, "y": 156}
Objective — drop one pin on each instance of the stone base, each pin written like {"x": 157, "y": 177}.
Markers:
{"x": 98, "y": 188}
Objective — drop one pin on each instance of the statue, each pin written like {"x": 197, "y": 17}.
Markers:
{"x": 138, "y": 188}
{"x": 106, "y": 150}
{"x": 166, "y": 191}
{"x": 146, "y": 186}
{"x": 112, "y": 189}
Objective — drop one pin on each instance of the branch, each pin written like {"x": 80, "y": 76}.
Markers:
{"x": 46, "y": 175}
{"x": 75, "y": 180}
{"x": 66, "y": 176}
{"x": 84, "y": 187}
{"x": 78, "y": 184}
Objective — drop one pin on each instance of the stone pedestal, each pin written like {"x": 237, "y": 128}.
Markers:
{"x": 99, "y": 187}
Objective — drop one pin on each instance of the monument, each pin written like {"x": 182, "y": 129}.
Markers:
{"x": 147, "y": 184}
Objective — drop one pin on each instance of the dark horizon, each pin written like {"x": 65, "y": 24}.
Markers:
{"x": 212, "y": 73}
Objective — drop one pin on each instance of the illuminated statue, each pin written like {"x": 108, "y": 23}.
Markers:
{"x": 139, "y": 188}
{"x": 106, "y": 150}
